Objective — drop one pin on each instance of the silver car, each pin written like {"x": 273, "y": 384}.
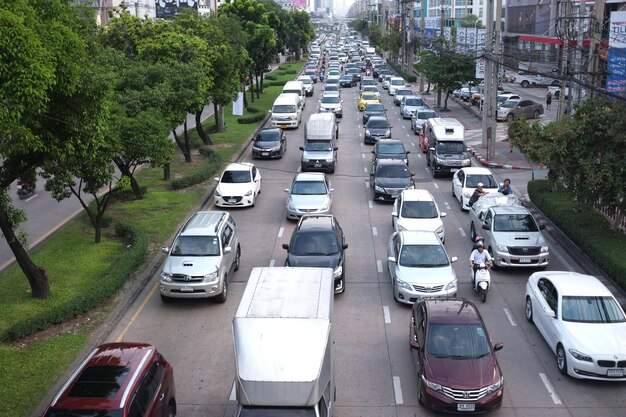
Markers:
{"x": 310, "y": 193}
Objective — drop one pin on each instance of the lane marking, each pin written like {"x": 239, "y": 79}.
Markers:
{"x": 365, "y": 170}
{"x": 436, "y": 185}
{"x": 426, "y": 169}
{"x": 445, "y": 203}
{"x": 139, "y": 310}
{"x": 32, "y": 197}
{"x": 462, "y": 232}
{"x": 379, "y": 266}
{"x": 374, "y": 231}
{"x": 386, "y": 315}
{"x": 370, "y": 204}
{"x": 281, "y": 231}
{"x": 397, "y": 390}
{"x": 510, "y": 317}
{"x": 367, "y": 184}
{"x": 550, "y": 388}
{"x": 272, "y": 262}
{"x": 233, "y": 395}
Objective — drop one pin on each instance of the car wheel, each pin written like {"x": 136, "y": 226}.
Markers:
{"x": 525, "y": 84}
{"x": 394, "y": 289}
{"x": 171, "y": 410}
{"x": 224, "y": 295}
{"x": 510, "y": 117}
{"x": 472, "y": 232}
{"x": 453, "y": 193}
{"x": 237, "y": 259}
{"x": 561, "y": 359}
{"x": 536, "y": 114}
{"x": 529, "y": 310}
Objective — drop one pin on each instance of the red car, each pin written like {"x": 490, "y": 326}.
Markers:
{"x": 457, "y": 370}
{"x": 118, "y": 380}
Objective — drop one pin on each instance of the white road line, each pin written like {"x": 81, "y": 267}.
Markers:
{"x": 462, "y": 232}
{"x": 386, "y": 315}
{"x": 510, "y": 317}
{"x": 367, "y": 184}
{"x": 445, "y": 203}
{"x": 272, "y": 262}
{"x": 281, "y": 231}
{"x": 233, "y": 396}
{"x": 419, "y": 155}
{"x": 426, "y": 169}
{"x": 436, "y": 185}
{"x": 550, "y": 388}
{"x": 32, "y": 197}
{"x": 370, "y": 204}
{"x": 397, "y": 389}
{"x": 374, "y": 231}
{"x": 379, "y": 266}
{"x": 365, "y": 169}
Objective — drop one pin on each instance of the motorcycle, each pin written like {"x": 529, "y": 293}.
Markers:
{"x": 24, "y": 189}
{"x": 482, "y": 281}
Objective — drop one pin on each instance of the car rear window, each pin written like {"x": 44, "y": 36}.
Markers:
{"x": 99, "y": 382}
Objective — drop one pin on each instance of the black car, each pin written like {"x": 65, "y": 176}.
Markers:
{"x": 346, "y": 81}
{"x": 382, "y": 73}
{"x": 377, "y": 127}
{"x": 389, "y": 178}
{"x": 318, "y": 241}
{"x": 373, "y": 109}
{"x": 355, "y": 72}
{"x": 390, "y": 149}
{"x": 269, "y": 143}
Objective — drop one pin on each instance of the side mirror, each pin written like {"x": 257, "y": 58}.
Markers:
{"x": 542, "y": 226}
{"x": 227, "y": 249}
{"x": 269, "y": 111}
{"x": 165, "y": 249}
{"x": 485, "y": 227}
{"x": 394, "y": 214}
{"x": 286, "y": 190}
{"x": 550, "y": 313}
{"x": 286, "y": 246}
{"x": 301, "y": 148}
{"x": 335, "y": 148}
{"x": 497, "y": 347}
{"x": 216, "y": 178}
{"x": 408, "y": 152}
{"x": 373, "y": 152}
{"x": 443, "y": 214}
{"x": 344, "y": 246}
{"x": 391, "y": 259}
{"x": 431, "y": 149}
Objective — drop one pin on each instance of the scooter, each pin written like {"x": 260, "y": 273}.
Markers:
{"x": 482, "y": 281}
{"x": 24, "y": 189}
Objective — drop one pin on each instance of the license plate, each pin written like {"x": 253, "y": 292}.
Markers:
{"x": 186, "y": 288}
{"x": 615, "y": 372}
{"x": 232, "y": 200}
{"x": 283, "y": 126}
{"x": 317, "y": 165}
{"x": 466, "y": 407}
{"x": 265, "y": 153}
{"x": 524, "y": 260}
{"x": 395, "y": 195}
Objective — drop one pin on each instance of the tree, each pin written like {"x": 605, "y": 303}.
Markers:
{"x": 471, "y": 21}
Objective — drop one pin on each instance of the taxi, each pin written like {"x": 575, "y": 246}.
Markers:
{"x": 368, "y": 97}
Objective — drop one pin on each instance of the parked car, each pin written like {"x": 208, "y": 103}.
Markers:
{"x": 373, "y": 109}
{"x": 269, "y": 143}
{"x": 534, "y": 80}
{"x": 516, "y": 109}
{"x": 457, "y": 370}
{"x": 389, "y": 177}
{"x": 501, "y": 98}
{"x": 409, "y": 104}
{"x": 318, "y": 241}
{"x": 238, "y": 186}
{"x": 466, "y": 180}
{"x": 417, "y": 210}
{"x": 310, "y": 192}
{"x": 118, "y": 379}
{"x": 377, "y": 127}
{"x": 582, "y": 323}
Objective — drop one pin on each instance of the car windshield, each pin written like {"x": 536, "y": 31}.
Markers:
{"x": 413, "y": 102}
{"x": 509, "y": 104}
{"x": 309, "y": 188}
{"x": 390, "y": 148}
{"x": 425, "y": 115}
{"x": 451, "y": 147}
{"x": 284, "y": 108}
{"x": 457, "y": 341}
{"x": 236, "y": 177}
{"x": 314, "y": 244}
{"x": 419, "y": 210}
{"x": 514, "y": 223}
{"x": 318, "y": 145}
{"x": 330, "y": 99}
{"x": 267, "y": 137}
{"x": 591, "y": 310}
{"x": 374, "y": 108}
{"x": 392, "y": 171}
{"x": 370, "y": 96}
{"x": 196, "y": 246}
{"x": 423, "y": 256}
{"x": 488, "y": 181}
{"x": 378, "y": 124}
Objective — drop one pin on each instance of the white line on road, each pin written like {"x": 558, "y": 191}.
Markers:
{"x": 436, "y": 185}
{"x": 32, "y": 197}
{"x": 510, "y": 317}
{"x": 426, "y": 169}
{"x": 550, "y": 388}
{"x": 367, "y": 184}
{"x": 397, "y": 389}
{"x": 374, "y": 231}
{"x": 462, "y": 232}
{"x": 281, "y": 231}
{"x": 445, "y": 203}
{"x": 379, "y": 267}
{"x": 386, "y": 315}
{"x": 233, "y": 396}
{"x": 370, "y": 204}
{"x": 272, "y": 262}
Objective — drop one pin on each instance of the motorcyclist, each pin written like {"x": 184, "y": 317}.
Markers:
{"x": 478, "y": 256}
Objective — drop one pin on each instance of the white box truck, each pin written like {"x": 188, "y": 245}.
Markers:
{"x": 283, "y": 344}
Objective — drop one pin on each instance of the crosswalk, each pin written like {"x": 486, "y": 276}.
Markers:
{"x": 474, "y": 136}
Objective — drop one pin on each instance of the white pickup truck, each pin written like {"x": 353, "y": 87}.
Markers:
{"x": 510, "y": 232}
{"x": 535, "y": 80}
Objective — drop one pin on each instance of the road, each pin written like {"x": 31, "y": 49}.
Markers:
{"x": 374, "y": 373}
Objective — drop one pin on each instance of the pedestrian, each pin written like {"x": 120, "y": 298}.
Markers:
{"x": 506, "y": 187}
{"x": 548, "y": 100}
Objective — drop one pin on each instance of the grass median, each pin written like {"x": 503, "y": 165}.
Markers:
{"x": 32, "y": 363}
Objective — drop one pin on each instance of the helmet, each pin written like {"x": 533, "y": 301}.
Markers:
{"x": 480, "y": 244}
{"x": 480, "y": 184}
{"x": 478, "y": 238}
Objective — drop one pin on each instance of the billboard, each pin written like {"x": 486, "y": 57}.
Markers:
{"x": 616, "y": 65}
{"x": 166, "y": 9}
{"x": 530, "y": 17}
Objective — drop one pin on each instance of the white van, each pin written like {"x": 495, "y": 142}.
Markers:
{"x": 296, "y": 87}
{"x": 447, "y": 152}
{"x": 286, "y": 111}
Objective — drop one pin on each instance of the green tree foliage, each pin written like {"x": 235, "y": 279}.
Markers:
{"x": 584, "y": 152}
{"x": 299, "y": 31}
{"x": 471, "y": 21}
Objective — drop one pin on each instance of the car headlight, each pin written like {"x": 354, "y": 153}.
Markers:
{"x": 367, "y": 132}
{"x": 494, "y": 387}
{"x": 432, "y": 385}
{"x": 410, "y": 187}
{"x": 249, "y": 193}
{"x": 440, "y": 161}
{"x": 467, "y": 162}
{"x": 451, "y": 285}
{"x": 439, "y": 230}
{"x": 501, "y": 248}
{"x": 291, "y": 207}
{"x": 379, "y": 189}
{"x": 166, "y": 277}
{"x": 338, "y": 271}
{"x": 403, "y": 285}
{"x": 325, "y": 205}
{"x": 579, "y": 355}
{"x": 401, "y": 228}
{"x": 217, "y": 192}
{"x": 213, "y": 276}
{"x": 545, "y": 249}
{"x": 388, "y": 132}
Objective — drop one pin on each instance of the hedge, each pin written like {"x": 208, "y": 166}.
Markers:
{"x": 411, "y": 78}
{"x": 208, "y": 171}
{"x": 121, "y": 269}
{"x": 251, "y": 118}
{"x": 585, "y": 226}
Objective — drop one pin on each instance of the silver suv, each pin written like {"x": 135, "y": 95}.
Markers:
{"x": 204, "y": 253}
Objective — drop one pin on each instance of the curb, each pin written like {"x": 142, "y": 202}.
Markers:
{"x": 485, "y": 162}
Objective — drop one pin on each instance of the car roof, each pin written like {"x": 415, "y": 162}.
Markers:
{"x": 377, "y": 118}
{"x": 420, "y": 237}
{"x": 239, "y": 166}
{"x": 317, "y": 221}
{"x": 460, "y": 311}
{"x": 380, "y": 162}
{"x": 477, "y": 171}
{"x": 574, "y": 284}
{"x": 388, "y": 141}
{"x": 417, "y": 194}
{"x": 310, "y": 176}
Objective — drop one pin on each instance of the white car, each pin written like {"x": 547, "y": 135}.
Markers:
{"x": 581, "y": 322}
{"x": 309, "y": 86}
{"x": 466, "y": 180}
{"x": 419, "y": 266}
{"x": 394, "y": 84}
{"x": 238, "y": 186}
{"x": 417, "y": 210}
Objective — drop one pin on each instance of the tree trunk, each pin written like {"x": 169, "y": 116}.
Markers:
{"x": 37, "y": 277}
{"x": 200, "y": 129}
{"x": 245, "y": 98}
{"x": 216, "y": 116}
{"x": 182, "y": 146}
{"x": 167, "y": 172}
{"x": 445, "y": 101}
{"x": 125, "y": 170}
{"x": 221, "y": 123}
{"x": 258, "y": 84}
{"x": 187, "y": 141}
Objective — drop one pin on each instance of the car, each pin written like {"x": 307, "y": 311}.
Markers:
{"x": 390, "y": 149}
{"x": 310, "y": 192}
{"x": 269, "y": 143}
{"x": 501, "y": 98}
{"x": 417, "y": 210}
{"x": 466, "y": 180}
{"x": 346, "y": 81}
{"x": 355, "y": 72}
{"x": 394, "y": 84}
{"x": 457, "y": 369}
{"x": 238, "y": 186}
{"x": 582, "y": 323}
{"x": 400, "y": 94}
{"x": 409, "y": 104}
{"x": 367, "y": 81}
{"x": 373, "y": 109}
{"x": 377, "y": 127}
{"x": 332, "y": 80}
{"x": 389, "y": 177}
{"x": 526, "y": 80}
{"x": 332, "y": 88}
{"x": 331, "y": 103}
{"x": 517, "y": 109}
{"x": 311, "y": 72}
{"x": 318, "y": 241}
{"x": 334, "y": 72}
{"x": 309, "y": 87}
{"x": 418, "y": 118}
{"x": 467, "y": 91}
{"x": 367, "y": 97}
{"x": 118, "y": 379}
{"x": 387, "y": 80}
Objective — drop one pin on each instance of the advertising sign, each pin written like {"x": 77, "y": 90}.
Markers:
{"x": 166, "y": 9}
{"x": 616, "y": 79}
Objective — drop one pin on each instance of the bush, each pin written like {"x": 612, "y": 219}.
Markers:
{"x": 207, "y": 150}
{"x": 277, "y": 83}
{"x": 251, "y": 118}
{"x": 127, "y": 194}
{"x": 252, "y": 109}
{"x": 208, "y": 171}
{"x": 585, "y": 226}
{"x": 269, "y": 77}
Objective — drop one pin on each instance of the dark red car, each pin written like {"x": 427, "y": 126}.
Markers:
{"x": 118, "y": 380}
{"x": 457, "y": 370}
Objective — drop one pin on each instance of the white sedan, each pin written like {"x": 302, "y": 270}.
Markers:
{"x": 582, "y": 323}
{"x": 466, "y": 180}
{"x": 416, "y": 210}
{"x": 238, "y": 186}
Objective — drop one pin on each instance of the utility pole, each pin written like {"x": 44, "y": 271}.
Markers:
{"x": 488, "y": 110}
{"x": 566, "y": 12}
{"x": 441, "y": 35}
{"x": 403, "y": 33}
{"x": 422, "y": 38}
{"x": 595, "y": 27}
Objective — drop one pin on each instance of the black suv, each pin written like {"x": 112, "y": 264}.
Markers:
{"x": 318, "y": 241}
{"x": 389, "y": 178}
{"x": 390, "y": 149}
